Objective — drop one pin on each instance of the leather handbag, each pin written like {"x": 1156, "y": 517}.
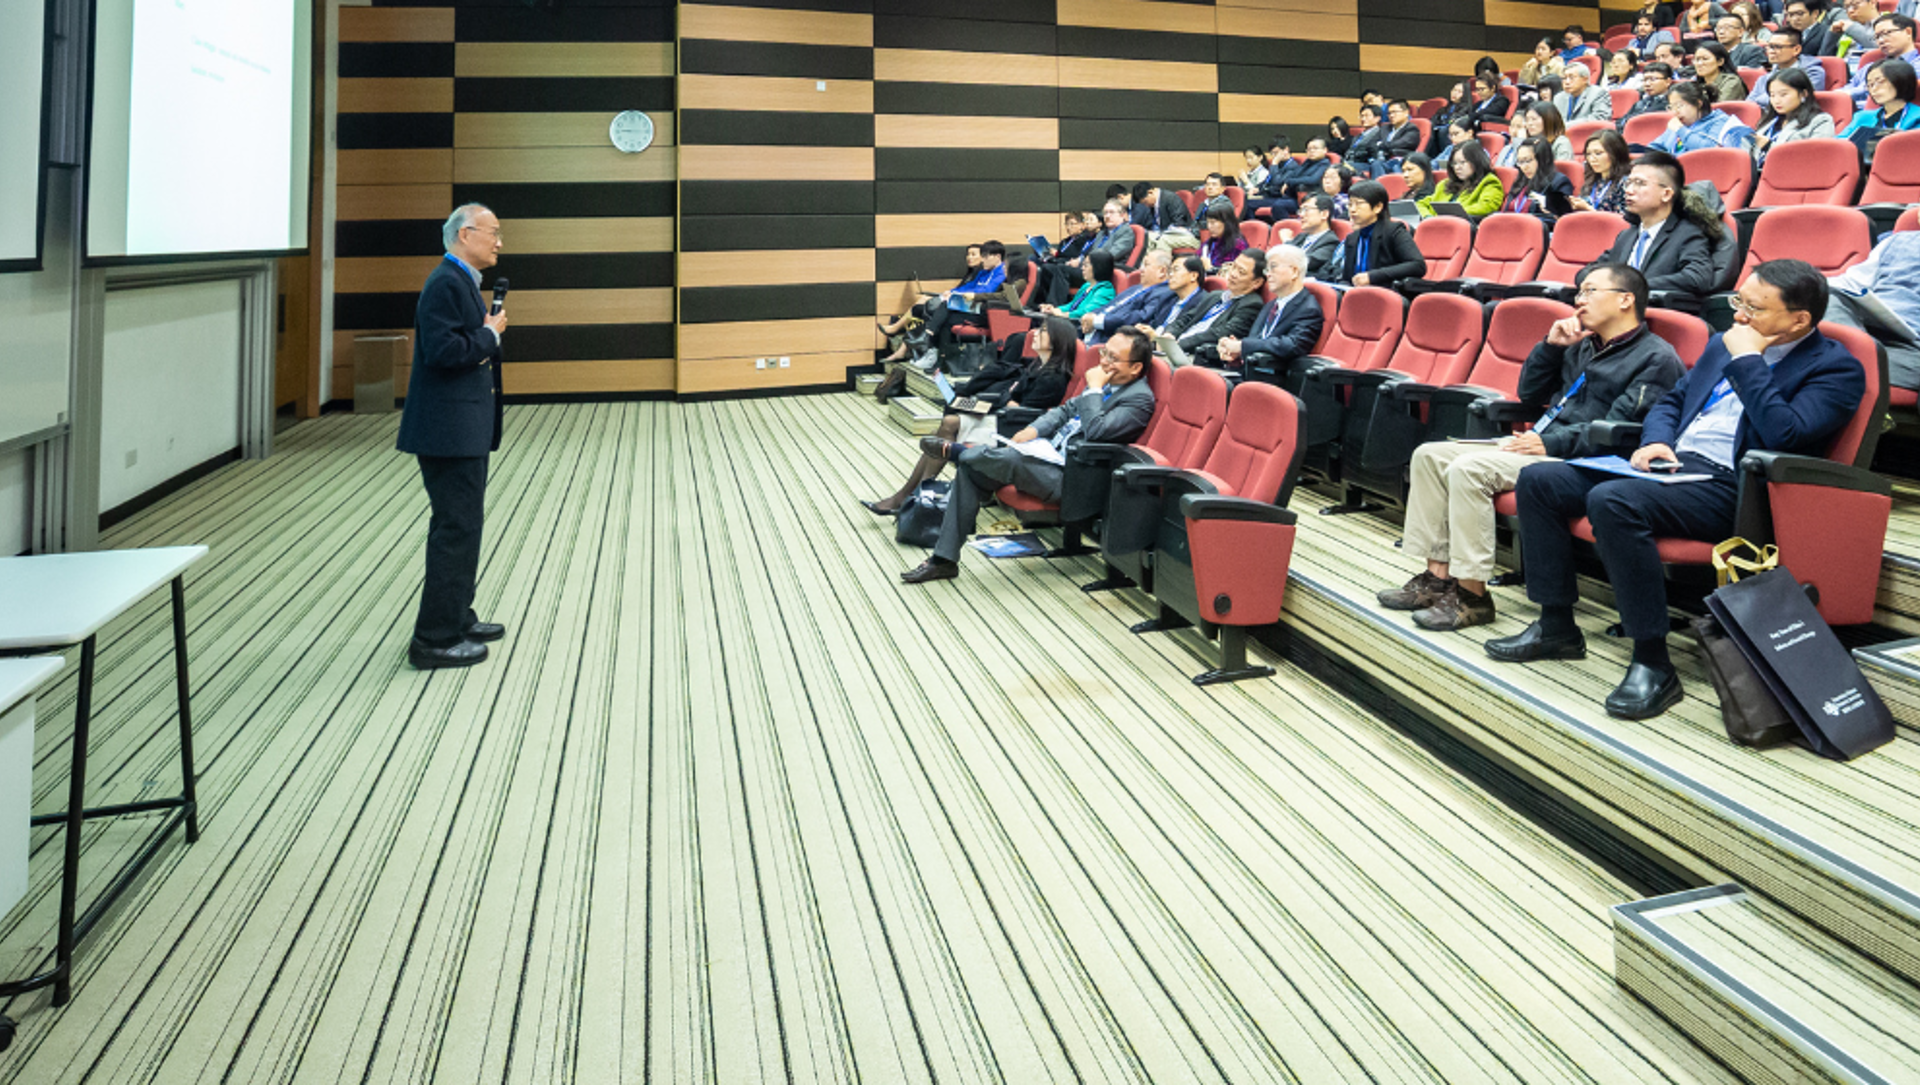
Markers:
{"x": 919, "y": 521}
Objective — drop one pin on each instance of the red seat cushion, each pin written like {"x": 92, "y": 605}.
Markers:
{"x": 1024, "y": 502}
{"x": 1672, "y": 551}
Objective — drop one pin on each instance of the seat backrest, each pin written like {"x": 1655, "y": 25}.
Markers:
{"x": 1623, "y": 100}
{"x": 1836, "y": 104}
{"x": 1832, "y": 239}
{"x": 1214, "y": 283}
{"x": 1747, "y": 113}
{"x": 1329, "y": 301}
{"x": 1367, "y": 329}
{"x": 1139, "y": 252}
{"x": 1896, "y": 170}
{"x": 1258, "y": 452}
{"x": 1395, "y": 184}
{"x": 1509, "y": 176}
{"x": 1341, "y": 228}
{"x": 1424, "y": 127}
{"x": 1191, "y": 199}
{"x": 1518, "y": 325}
{"x": 1273, "y": 231}
{"x": 1579, "y": 239}
{"x": 1429, "y": 107}
{"x": 1026, "y": 292}
{"x": 1491, "y": 142}
{"x": 1727, "y": 254}
{"x": 1578, "y": 131}
{"x": 1188, "y": 415}
{"x": 1160, "y": 383}
{"x": 1507, "y": 248}
{"x": 1729, "y": 168}
{"x": 1573, "y": 171}
{"x": 1646, "y": 127}
{"x": 1124, "y": 281}
{"x": 1445, "y": 241}
{"x": 1001, "y": 323}
{"x": 1085, "y": 357}
{"x": 1441, "y": 339}
{"x": 1856, "y": 443}
{"x": 1750, "y": 76}
{"x": 1511, "y": 94}
{"x": 1808, "y": 171}
{"x": 1255, "y": 232}
{"x": 1237, "y": 196}
{"x": 1908, "y": 220}
{"x": 1685, "y": 333}
{"x": 1836, "y": 76}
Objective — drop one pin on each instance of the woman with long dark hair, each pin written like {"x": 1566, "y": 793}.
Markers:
{"x": 1792, "y": 113}
{"x": 1696, "y": 125}
{"x": 1542, "y": 190}
{"x": 1607, "y": 163}
{"x": 1224, "y": 243}
{"x": 1011, "y": 380}
{"x": 1469, "y": 182}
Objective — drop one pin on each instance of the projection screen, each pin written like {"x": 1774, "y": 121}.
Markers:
{"x": 199, "y": 129}
{"x": 23, "y": 126}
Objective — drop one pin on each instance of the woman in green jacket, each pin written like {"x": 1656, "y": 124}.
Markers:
{"x": 1095, "y": 294}
{"x": 1470, "y": 182}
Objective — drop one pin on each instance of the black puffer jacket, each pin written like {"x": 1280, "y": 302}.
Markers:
{"x": 1624, "y": 379}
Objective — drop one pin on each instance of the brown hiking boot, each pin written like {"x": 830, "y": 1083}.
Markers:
{"x": 1457, "y": 608}
{"x": 1416, "y": 594}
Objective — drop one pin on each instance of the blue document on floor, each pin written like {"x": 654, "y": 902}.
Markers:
{"x": 1614, "y": 465}
{"x": 1024, "y": 545}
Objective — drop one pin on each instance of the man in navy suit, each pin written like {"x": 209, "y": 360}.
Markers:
{"x": 452, "y": 423}
{"x": 1771, "y": 382}
{"x": 1286, "y": 329}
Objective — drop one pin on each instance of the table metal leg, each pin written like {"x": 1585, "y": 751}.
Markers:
{"x": 186, "y": 713}
{"x": 76, "y": 799}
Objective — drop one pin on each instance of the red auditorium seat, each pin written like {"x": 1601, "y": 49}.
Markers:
{"x": 1425, "y": 127}
{"x": 1894, "y": 181}
{"x": 1484, "y": 405}
{"x": 1593, "y": 67}
{"x": 1507, "y": 248}
{"x": 1445, "y": 241}
{"x": 1575, "y": 172}
{"x": 1623, "y": 98}
{"x": 1686, "y": 333}
{"x": 1191, "y": 199}
{"x": 1748, "y": 113}
{"x": 1809, "y": 171}
{"x": 1383, "y": 424}
{"x": 1578, "y": 239}
{"x": 1837, "y": 74}
{"x": 1181, "y": 434}
{"x": 1425, "y": 110}
{"x": 1214, "y": 282}
{"x": 1491, "y": 142}
{"x": 1511, "y": 94}
{"x": 1508, "y": 177}
{"x": 1832, "y": 239}
{"x": 1124, "y": 281}
{"x": 1341, "y": 228}
{"x": 1909, "y": 219}
{"x": 1256, "y": 233}
{"x": 1139, "y": 246}
{"x": 1395, "y": 184}
{"x": 1646, "y": 128}
{"x": 1836, "y": 104}
{"x": 1229, "y": 572}
{"x": 1238, "y": 197}
{"x": 1730, "y": 170}
{"x": 1828, "y": 514}
{"x": 1365, "y": 332}
{"x": 1579, "y": 131}
{"x": 1001, "y": 323}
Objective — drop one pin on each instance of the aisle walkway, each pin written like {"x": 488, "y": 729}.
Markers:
{"x": 732, "y": 804}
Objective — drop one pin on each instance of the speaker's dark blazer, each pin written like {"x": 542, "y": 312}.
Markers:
{"x": 453, "y": 393}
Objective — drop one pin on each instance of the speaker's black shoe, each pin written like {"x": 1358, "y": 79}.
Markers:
{"x": 1644, "y": 693}
{"x": 426, "y": 657}
{"x": 484, "y": 631}
{"x": 1531, "y": 644}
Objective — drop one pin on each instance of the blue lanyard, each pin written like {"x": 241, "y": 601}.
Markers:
{"x": 1553, "y": 412}
{"x": 1720, "y": 392}
{"x": 1217, "y": 310}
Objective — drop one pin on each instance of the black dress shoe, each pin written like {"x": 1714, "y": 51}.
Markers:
{"x": 426, "y": 657}
{"x": 1531, "y": 644}
{"x": 931, "y": 570}
{"x": 484, "y": 631}
{"x": 874, "y": 507}
{"x": 1645, "y": 692}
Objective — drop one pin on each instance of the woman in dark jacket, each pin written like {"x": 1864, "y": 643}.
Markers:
{"x": 1379, "y": 251}
{"x": 1459, "y": 104}
{"x": 1008, "y": 381}
{"x": 1490, "y": 104}
{"x": 1541, "y": 190}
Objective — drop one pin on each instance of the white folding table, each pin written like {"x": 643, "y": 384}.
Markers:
{"x": 20, "y": 681}
{"x": 60, "y": 600}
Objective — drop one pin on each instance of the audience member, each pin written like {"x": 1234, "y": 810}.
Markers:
{"x": 965, "y": 304}
{"x": 1605, "y": 164}
{"x": 1771, "y": 382}
{"x": 1379, "y": 251}
{"x": 1229, "y": 316}
{"x": 1783, "y": 51}
{"x": 1491, "y": 105}
{"x": 1417, "y": 171}
{"x": 1622, "y": 72}
{"x": 1544, "y": 62}
{"x": 1095, "y": 293}
{"x": 1169, "y": 212}
{"x": 1402, "y": 139}
{"x": 1713, "y": 67}
{"x": 1646, "y": 35}
{"x": 1574, "y": 46}
{"x": 1336, "y": 183}
{"x": 1539, "y": 120}
{"x": 1058, "y": 282}
{"x": 1668, "y": 238}
{"x": 1792, "y": 114}
{"x": 1339, "y": 136}
{"x": 1696, "y": 125}
{"x": 1730, "y": 33}
{"x": 1114, "y": 409}
{"x": 1854, "y": 26}
{"x": 1469, "y": 182}
{"x": 1213, "y": 195}
{"x": 1602, "y": 363}
{"x": 1459, "y": 106}
{"x": 1191, "y": 300}
{"x": 1009, "y": 380}
{"x": 1698, "y": 18}
{"x": 1881, "y": 296}
{"x": 1147, "y": 303}
{"x": 1224, "y": 243}
{"x": 1809, "y": 18}
{"x": 1287, "y": 328}
{"x": 1255, "y": 174}
{"x": 1893, "y": 35}
{"x": 1541, "y": 189}
{"x": 1581, "y": 101}
{"x": 1459, "y": 134}
{"x": 1655, "y": 82}
{"x": 1316, "y": 239}
{"x": 1677, "y": 57}
{"x": 1367, "y": 142}
{"x": 1753, "y": 27}
{"x": 1892, "y": 91}
{"x": 917, "y": 313}
{"x": 1291, "y": 181}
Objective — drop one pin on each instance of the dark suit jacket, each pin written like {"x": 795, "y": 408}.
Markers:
{"x": 1295, "y": 333}
{"x": 1680, "y": 259}
{"x": 1171, "y": 212}
{"x": 1320, "y": 249}
{"x": 1238, "y": 317}
{"x": 1116, "y": 419}
{"x": 1149, "y": 306}
{"x": 1392, "y": 258}
{"x": 1198, "y": 303}
{"x": 1492, "y": 109}
{"x": 1401, "y": 141}
{"x": 453, "y": 393}
{"x": 1796, "y": 406}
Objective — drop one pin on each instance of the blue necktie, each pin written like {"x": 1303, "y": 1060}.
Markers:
{"x": 1640, "y": 250}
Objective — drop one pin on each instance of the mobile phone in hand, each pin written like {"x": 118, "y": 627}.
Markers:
{"x": 1665, "y": 467}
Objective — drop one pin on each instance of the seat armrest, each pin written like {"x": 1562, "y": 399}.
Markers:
{"x": 1541, "y": 289}
{"x": 1507, "y": 412}
{"x": 1095, "y": 454}
{"x": 1613, "y": 435}
{"x": 1307, "y": 365}
{"x": 1411, "y": 391}
{"x": 1675, "y": 300}
{"x": 1787, "y": 468}
{"x": 1152, "y": 476}
{"x": 1012, "y": 420}
{"x": 1207, "y": 507}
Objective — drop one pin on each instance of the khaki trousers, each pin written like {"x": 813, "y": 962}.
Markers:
{"x": 1450, "y": 504}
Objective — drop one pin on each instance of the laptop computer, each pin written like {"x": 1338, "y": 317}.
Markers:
{"x": 1450, "y": 208}
{"x": 1406, "y": 211}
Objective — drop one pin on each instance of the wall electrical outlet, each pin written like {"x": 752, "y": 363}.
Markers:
{"x": 786, "y": 363}
{"x": 820, "y": 84}
{"x": 759, "y": 363}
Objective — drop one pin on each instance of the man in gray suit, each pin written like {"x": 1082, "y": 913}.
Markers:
{"x": 1581, "y": 100}
{"x": 1114, "y": 409}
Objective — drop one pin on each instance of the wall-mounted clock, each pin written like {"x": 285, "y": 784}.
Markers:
{"x": 631, "y": 132}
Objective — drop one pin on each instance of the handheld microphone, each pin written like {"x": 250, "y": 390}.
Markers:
{"x": 499, "y": 296}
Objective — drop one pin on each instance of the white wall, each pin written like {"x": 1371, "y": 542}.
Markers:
{"x": 16, "y": 501}
{"x": 170, "y": 396}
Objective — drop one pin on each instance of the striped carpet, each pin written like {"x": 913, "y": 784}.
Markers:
{"x": 732, "y": 804}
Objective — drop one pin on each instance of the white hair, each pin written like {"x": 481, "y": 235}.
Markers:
{"x": 1160, "y": 258}
{"x": 461, "y": 218}
{"x": 1290, "y": 255}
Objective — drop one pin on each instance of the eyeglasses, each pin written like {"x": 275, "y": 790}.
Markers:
{"x": 1587, "y": 292}
{"x": 1634, "y": 183}
{"x": 1742, "y": 305}
{"x": 493, "y": 233}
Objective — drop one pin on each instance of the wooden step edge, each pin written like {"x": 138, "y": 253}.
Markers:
{"x": 1726, "y": 1017}
{"x": 915, "y": 415}
{"x": 1893, "y": 670}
